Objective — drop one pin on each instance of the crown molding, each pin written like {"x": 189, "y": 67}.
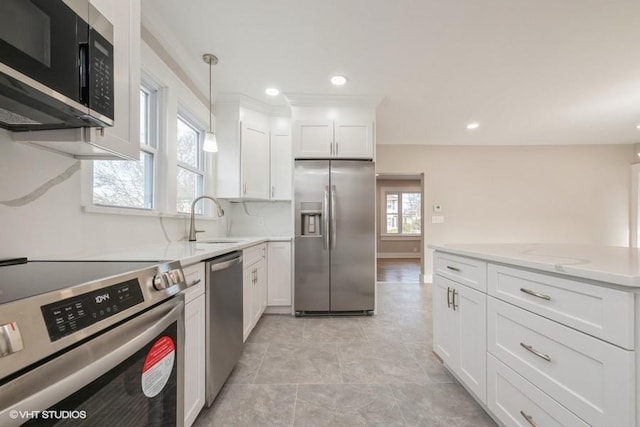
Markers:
{"x": 242, "y": 100}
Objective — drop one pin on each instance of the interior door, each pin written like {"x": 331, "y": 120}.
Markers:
{"x": 352, "y": 235}
{"x": 311, "y": 245}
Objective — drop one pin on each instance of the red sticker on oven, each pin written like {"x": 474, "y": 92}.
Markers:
{"x": 158, "y": 366}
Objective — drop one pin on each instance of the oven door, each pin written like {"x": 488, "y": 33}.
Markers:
{"x": 131, "y": 375}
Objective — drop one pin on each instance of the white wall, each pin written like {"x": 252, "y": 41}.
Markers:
{"x": 509, "y": 194}
{"x": 261, "y": 219}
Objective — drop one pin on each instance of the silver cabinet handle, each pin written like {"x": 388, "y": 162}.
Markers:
{"x": 535, "y": 294}
{"x": 448, "y": 297}
{"x": 336, "y": 148}
{"x": 195, "y": 282}
{"x": 334, "y": 220}
{"x": 457, "y": 270}
{"x": 536, "y": 352}
{"x": 331, "y": 149}
{"x": 453, "y": 299}
{"x": 244, "y": 188}
{"x": 273, "y": 191}
{"x": 325, "y": 214}
{"x": 529, "y": 419}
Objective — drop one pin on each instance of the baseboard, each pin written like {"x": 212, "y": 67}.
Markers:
{"x": 278, "y": 309}
{"x": 398, "y": 255}
{"x": 427, "y": 278}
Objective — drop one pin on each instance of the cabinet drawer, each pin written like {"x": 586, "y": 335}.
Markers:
{"x": 590, "y": 377}
{"x": 253, "y": 254}
{"x": 194, "y": 275}
{"x": 602, "y": 312}
{"x": 511, "y": 398}
{"x": 468, "y": 271}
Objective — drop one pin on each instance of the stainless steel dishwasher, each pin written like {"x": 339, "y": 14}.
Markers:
{"x": 224, "y": 342}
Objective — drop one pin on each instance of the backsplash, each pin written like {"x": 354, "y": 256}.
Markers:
{"x": 261, "y": 219}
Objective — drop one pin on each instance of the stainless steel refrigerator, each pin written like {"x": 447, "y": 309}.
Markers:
{"x": 334, "y": 236}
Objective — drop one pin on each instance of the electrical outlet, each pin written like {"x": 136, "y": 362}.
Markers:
{"x": 437, "y": 219}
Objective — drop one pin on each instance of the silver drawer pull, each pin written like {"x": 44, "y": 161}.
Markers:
{"x": 535, "y": 294}
{"x": 195, "y": 282}
{"x": 453, "y": 269}
{"x": 529, "y": 419}
{"x": 536, "y": 352}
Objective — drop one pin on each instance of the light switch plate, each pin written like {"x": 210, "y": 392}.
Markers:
{"x": 437, "y": 219}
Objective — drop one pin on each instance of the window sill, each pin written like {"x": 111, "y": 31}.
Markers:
{"x": 397, "y": 237}
{"x": 114, "y": 210}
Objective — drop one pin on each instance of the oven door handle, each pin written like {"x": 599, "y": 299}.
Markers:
{"x": 54, "y": 381}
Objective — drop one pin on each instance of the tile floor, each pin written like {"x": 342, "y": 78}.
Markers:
{"x": 346, "y": 371}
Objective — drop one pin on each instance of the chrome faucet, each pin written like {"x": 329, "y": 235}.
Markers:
{"x": 192, "y": 226}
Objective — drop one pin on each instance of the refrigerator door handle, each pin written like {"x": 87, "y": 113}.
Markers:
{"x": 325, "y": 215}
{"x": 334, "y": 234}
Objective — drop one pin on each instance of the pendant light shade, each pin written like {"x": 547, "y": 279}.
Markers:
{"x": 210, "y": 141}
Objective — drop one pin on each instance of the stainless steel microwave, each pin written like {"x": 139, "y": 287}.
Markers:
{"x": 56, "y": 65}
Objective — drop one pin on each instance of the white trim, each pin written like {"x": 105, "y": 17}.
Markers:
{"x": 401, "y": 237}
{"x": 634, "y": 208}
{"x": 398, "y": 255}
{"x": 305, "y": 100}
{"x": 427, "y": 278}
{"x": 278, "y": 309}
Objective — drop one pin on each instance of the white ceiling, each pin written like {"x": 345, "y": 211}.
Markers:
{"x": 529, "y": 71}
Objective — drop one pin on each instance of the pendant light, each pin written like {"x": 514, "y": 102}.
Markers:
{"x": 210, "y": 143}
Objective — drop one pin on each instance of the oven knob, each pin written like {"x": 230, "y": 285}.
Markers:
{"x": 10, "y": 339}
{"x": 162, "y": 281}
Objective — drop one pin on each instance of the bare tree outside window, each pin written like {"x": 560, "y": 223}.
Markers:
{"x": 403, "y": 213}
{"x": 190, "y": 174}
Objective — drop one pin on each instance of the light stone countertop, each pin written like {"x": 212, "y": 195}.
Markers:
{"x": 611, "y": 264}
{"x": 186, "y": 252}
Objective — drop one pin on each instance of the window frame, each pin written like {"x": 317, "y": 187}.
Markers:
{"x": 384, "y": 234}
{"x": 201, "y": 169}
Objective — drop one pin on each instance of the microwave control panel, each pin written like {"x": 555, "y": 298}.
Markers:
{"x": 71, "y": 315}
{"x": 101, "y": 75}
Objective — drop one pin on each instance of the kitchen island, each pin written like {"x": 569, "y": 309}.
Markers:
{"x": 541, "y": 334}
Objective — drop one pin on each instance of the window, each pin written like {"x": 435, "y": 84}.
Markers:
{"x": 129, "y": 184}
{"x": 190, "y": 164}
{"x": 402, "y": 213}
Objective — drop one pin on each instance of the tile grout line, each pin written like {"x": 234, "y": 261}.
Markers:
{"x": 295, "y": 403}
{"x": 264, "y": 355}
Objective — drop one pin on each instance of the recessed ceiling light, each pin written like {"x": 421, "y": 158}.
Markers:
{"x": 338, "y": 80}
{"x": 638, "y": 127}
{"x": 472, "y": 126}
{"x": 272, "y": 91}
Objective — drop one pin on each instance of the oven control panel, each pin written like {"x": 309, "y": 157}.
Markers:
{"x": 74, "y": 314}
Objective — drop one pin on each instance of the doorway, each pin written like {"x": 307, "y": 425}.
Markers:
{"x": 400, "y": 228}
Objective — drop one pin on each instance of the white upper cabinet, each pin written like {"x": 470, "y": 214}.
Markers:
{"x": 329, "y": 139}
{"x": 281, "y": 165}
{"x": 333, "y": 127}
{"x": 254, "y": 161}
{"x": 123, "y": 139}
{"x": 313, "y": 139}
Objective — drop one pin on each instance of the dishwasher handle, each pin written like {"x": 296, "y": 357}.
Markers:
{"x": 226, "y": 264}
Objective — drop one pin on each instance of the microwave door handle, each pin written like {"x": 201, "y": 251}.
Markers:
{"x": 84, "y": 73}
{"x": 70, "y": 372}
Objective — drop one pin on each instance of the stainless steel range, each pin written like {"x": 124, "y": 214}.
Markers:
{"x": 91, "y": 343}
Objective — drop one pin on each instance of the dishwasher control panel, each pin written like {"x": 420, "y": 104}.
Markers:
{"x": 74, "y": 314}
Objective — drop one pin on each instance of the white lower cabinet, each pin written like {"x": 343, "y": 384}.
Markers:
{"x": 254, "y": 286}
{"x": 460, "y": 330}
{"x": 515, "y": 401}
{"x": 194, "y": 343}
{"x": 279, "y": 274}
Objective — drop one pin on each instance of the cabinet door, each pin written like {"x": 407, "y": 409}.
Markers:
{"x": 281, "y": 165}
{"x": 471, "y": 308}
{"x": 256, "y": 299}
{"x": 445, "y": 321}
{"x": 124, "y": 136}
{"x": 194, "y": 356}
{"x": 247, "y": 301}
{"x": 279, "y": 274}
{"x": 313, "y": 139}
{"x": 353, "y": 140}
{"x": 254, "y": 142}
{"x": 262, "y": 281}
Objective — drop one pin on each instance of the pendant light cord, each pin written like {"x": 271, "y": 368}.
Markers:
{"x": 210, "y": 127}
